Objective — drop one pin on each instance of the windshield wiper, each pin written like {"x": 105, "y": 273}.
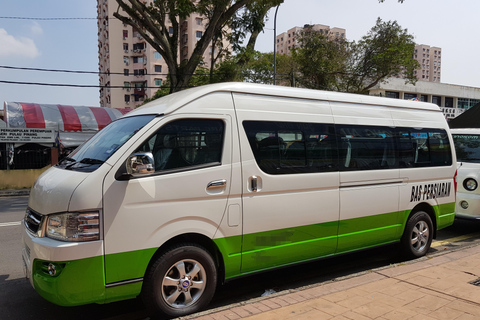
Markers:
{"x": 91, "y": 161}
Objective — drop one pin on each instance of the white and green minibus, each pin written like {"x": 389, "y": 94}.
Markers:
{"x": 221, "y": 181}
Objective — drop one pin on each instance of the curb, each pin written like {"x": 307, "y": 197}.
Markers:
{"x": 12, "y": 193}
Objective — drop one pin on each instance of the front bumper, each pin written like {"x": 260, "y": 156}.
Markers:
{"x": 65, "y": 273}
{"x": 473, "y": 210}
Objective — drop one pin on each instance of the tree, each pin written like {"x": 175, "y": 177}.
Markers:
{"x": 386, "y": 51}
{"x": 339, "y": 65}
{"x": 153, "y": 21}
{"x": 321, "y": 60}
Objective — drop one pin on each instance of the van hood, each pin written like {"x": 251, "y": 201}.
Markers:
{"x": 53, "y": 189}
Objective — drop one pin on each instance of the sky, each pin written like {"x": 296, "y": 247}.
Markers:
{"x": 73, "y": 44}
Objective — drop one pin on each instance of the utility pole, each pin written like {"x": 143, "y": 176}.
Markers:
{"x": 275, "y": 47}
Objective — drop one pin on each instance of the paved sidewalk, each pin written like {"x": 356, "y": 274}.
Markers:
{"x": 434, "y": 287}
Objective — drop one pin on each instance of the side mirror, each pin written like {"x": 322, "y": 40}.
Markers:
{"x": 140, "y": 163}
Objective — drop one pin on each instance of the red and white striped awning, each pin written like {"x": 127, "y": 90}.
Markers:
{"x": 59, "y": 117}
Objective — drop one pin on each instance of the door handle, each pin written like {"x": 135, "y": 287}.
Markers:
{"x": 254, "y": 184}
{"x": 216, "y": 184}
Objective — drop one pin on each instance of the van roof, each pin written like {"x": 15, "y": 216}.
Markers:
{"x": 172, "y": 102}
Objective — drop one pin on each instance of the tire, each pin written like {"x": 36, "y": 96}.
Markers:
{"x": 180, "y": 281}
{"x": 418, "y": 235}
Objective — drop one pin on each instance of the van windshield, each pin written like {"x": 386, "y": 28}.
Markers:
{"x": 467, "y": 147}
{"x": 95, "y": 151}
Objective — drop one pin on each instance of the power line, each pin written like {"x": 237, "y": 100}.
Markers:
{"x": 73, "y": 85}
{"x": 66, "y": 18}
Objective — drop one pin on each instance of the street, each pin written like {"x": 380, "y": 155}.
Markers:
{"x": 18, "y": 300}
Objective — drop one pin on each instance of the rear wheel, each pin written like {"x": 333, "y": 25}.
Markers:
{"x": 180, "y": 281}
{"x": 418, "y": 235}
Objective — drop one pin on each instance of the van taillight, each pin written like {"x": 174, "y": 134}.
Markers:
{"x": 455, "y": 184}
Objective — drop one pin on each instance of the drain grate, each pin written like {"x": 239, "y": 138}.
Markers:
{"x": 475, "y": 282}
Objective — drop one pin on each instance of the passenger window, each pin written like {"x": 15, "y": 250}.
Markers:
{"x": 366, "y": 148}
{"x": 288, "y": 147}
{"x": 186, "y": 142}
{"x": 424, "y": 148}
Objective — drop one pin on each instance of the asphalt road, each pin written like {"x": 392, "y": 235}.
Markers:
{"x": 18, "y": 300}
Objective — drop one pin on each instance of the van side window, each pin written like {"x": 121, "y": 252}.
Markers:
{"x": 288, "y": 147}
{"x": 186, "y": 142}
{"x": 366, "y": 147}
{"x": 424, "y": 147}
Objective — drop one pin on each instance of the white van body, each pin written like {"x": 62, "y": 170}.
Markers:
{"x": 467, "y": 146}
{"x": 299, "y": 175}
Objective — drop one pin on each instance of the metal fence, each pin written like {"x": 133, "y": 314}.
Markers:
{"x": 27, "y": 156}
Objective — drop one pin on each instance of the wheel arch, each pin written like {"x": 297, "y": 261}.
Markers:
{"x": 430, "y": 211}
{"x": 193, "y": 238}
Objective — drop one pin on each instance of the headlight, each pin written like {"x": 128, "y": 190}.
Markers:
{"x": 470, "y": 184}
{"x": 74, "y": 227}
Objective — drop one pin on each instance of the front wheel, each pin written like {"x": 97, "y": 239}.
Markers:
{"x": 180, "y": 281}
{"x": 417, "y": 236}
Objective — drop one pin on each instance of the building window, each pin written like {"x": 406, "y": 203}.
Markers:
{"x": 125, "y": 34}
{"x": 392, "y": 94}
{"x": 170, "y": 30}
{"x": 158, "y": 82}
{"x": 437, "y": 100}
{"x": 157, "y": 55}
{"x": 158, "y": 68}
{"x": 138, "y": 72}
{"x": 448, "y": 102}
{"x": 126, "y": 60}
{"x": 198, "y": 35}
{"x": 127, "y": 98}
{"x": 126, "y": 72}
{"x": 424, "y": 98}
{"x": 198, "y": 21}
{"x": 125, "y": 47}
{"x": 409, "y": 96}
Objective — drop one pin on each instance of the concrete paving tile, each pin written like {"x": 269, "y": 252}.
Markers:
{"x": 340, "y": 317}
{"x": 373, "y": 310}
{"x": 354, "y": 316}
{"x": 421, "y": 280}
{"x": 354, "y": 302}
{"x": 438, "y": 293}
{"x": 343, "y": 295}
{"x": 296, "y": 296}
{"x": 466, "y": 292}
{"x": 241, "y": 311}
{"x": 410, "y": 295}
{"x": 261, "y": 306}
{"x": 432, "y": 303}
{"x": 224, "y": 315}
{"x": 399, "y": 314}
{"x": 421, "y": 317}
{"x": 280, "y": 301}
{"x": 466, "y": 307}
{"x": 387, "y": 299}
{"x": 466, "y": 317}
{"x": 269, "y": 303}
{"x": 398, "y": 288}
{"x": 378, "y": 286}
{"x": 446, "y": 313}
{"x": 326, "y": 306}
{"x": 250, "y": 307}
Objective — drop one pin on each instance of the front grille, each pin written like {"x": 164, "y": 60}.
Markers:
{"x": 32, "y": 221}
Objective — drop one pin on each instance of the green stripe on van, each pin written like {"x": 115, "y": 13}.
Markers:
{"x": 82, "y": 281}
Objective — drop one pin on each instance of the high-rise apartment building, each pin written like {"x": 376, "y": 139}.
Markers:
{"x": 130, "y": 69}
{"x": 430, "y": 60}
{"x": 286, "y": 41}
